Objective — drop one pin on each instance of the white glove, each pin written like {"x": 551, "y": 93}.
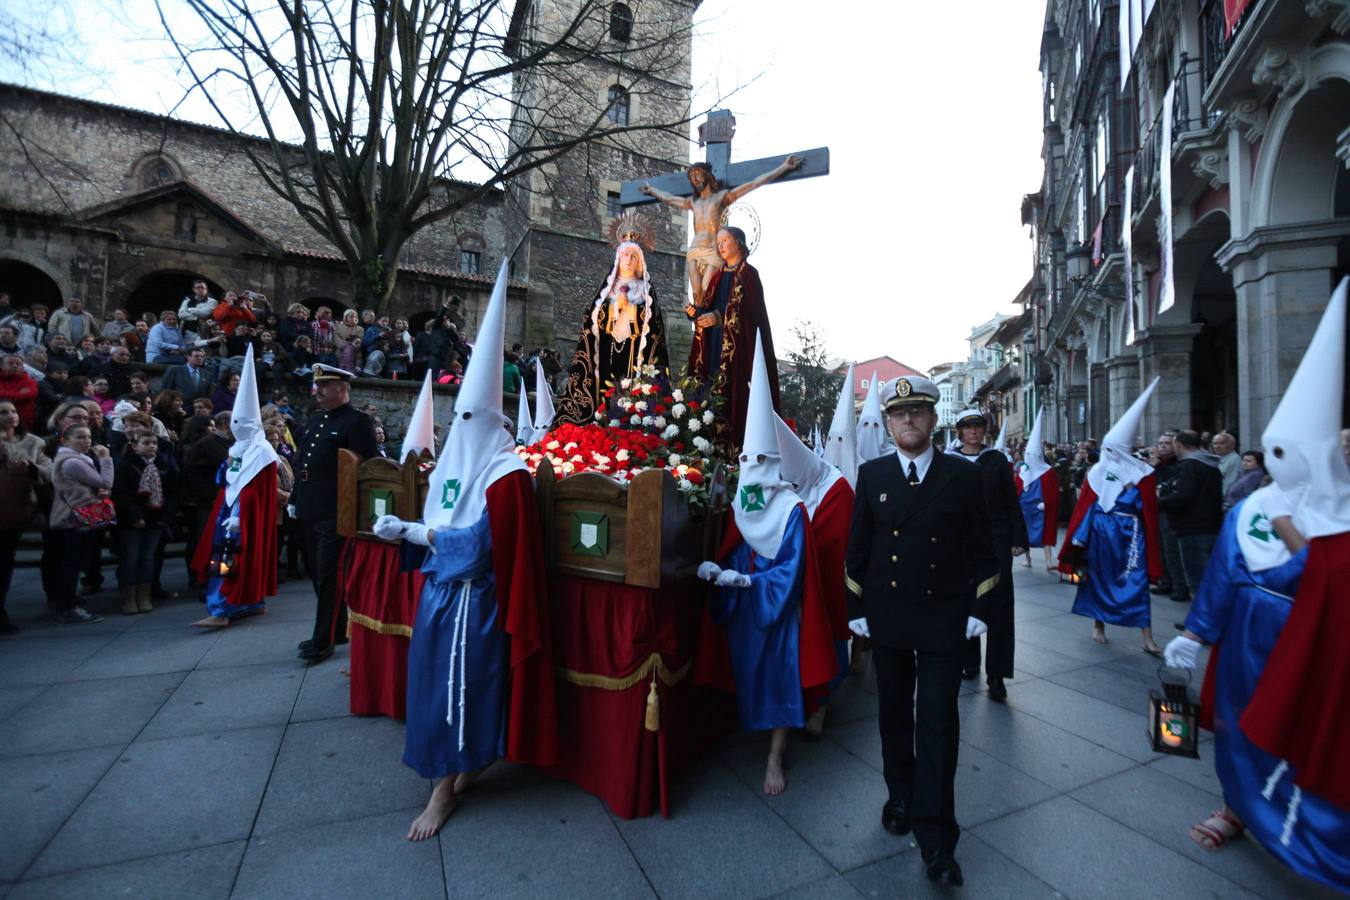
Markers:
{"x": 859, "y": 627}
{"x": 417, "y": 533}
{"x": 975, "y": 627}
{"x": 1181, "y": 652}
{"x": 232, "y": 525}
{"x": 290, "y": 510}
{"x": 1041, "y": 506}
{"x": 1276, "y": 504}
{"x": 388, "y": 528}
{"x": 709, "y": 570}
{"x": 731, "y": 578}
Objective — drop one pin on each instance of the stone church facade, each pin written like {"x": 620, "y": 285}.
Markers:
{"x": 124, "y": 208}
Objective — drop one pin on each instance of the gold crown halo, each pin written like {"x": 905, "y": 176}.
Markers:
{"x": 629, "y": 227}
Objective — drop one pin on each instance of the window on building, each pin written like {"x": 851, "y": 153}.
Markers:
{"x": 469, "y": 261}
{"x": 620, "y": 22}
{"x": 618, "y": 106}
{"x": 612, "y": 206}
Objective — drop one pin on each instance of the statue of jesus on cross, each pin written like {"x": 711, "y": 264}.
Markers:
{"x": 709, "y": 203}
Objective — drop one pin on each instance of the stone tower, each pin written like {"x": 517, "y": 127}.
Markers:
{"x": 559, "y": 215}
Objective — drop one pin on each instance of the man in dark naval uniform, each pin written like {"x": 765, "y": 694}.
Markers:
{"x": 336, "y": 426}
{"x": 920, "y": 573}
{"x": 1010, "y": 539}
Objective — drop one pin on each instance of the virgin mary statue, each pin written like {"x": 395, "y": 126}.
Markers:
{"x": 623, "y": 332}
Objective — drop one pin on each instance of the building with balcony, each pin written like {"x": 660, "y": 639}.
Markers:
{"x": 1196, "y": 161}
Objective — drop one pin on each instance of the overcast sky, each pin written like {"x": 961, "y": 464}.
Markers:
{"x": 931, "y": 112}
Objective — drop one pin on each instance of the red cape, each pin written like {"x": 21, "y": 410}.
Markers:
{"x": 1297, "y": 712}
{"x": 726, "y": 369}
{"x": 816, "y": 658}
{"x": 522, "y": 612}
{"x": 1071, "y": 556}
{"x": 256, "y": 563}
{"x": 829, "y": 529}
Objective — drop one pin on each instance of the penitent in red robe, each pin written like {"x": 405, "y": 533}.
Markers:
{"x": 256, "y": 563}
{"x": 1070, "y": 556}
{"x": 725, "y": 368}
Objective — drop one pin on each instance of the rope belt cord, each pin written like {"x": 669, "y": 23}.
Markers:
{"x": 458, "y": 640}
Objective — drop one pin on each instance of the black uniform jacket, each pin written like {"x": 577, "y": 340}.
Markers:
{"x": 1000, "y": 496}
{"x": 920, "y": 559}
{"x": 316, "y": 460}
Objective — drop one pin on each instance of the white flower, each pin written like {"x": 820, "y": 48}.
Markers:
{"x": 613, "y": 423}
{"x": 599, "y": 415}
{"x": 622, "y": 455}
{"x": 636, "y": 420}
{"x": 708, "y": 417}
{"x": 674, "y": 460}
{"x": 702, "y": 444}
{"x": 640, "y": 406}
{"x": 625, "y": 403}
{"x": 686, "y": 484}
{"x": 648, "y": 421}
{"x": 677, "y": 395}
{"x": 678, "y": 410}
{"x": 568, "y": 467}
{"x": 626, "y": 383}
{"x": 659, "y": 421}
{"x": 552, "y": 445}
{"x": 670, "y": 432}
{"x": 693, "y": 425}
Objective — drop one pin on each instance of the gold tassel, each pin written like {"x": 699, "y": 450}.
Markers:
{"x": 653, "y": 722}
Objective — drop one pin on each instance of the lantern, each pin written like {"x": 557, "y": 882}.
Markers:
{"x": 1173, "y": 720}
{"x": 223, "y": 558}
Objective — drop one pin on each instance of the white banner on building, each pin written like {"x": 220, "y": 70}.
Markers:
{"x": 1124, "y": 40}
{"x": 1127, "y": 246}
{"x": 1166, "y": 287}
{"x": 1136, "y": 23}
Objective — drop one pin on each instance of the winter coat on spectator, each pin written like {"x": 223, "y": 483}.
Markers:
{"x": 126, "y": 492}
{"x": 76, "y": 481}
{"x": 179, "y": 378}
{"x": 22, "y": 391}
{"x": 115, "y": 329}
{"x": 73, "y": 325}
{"x": 290, "y": 329}
{"x": 229, "y": 316}
{"x": 162, "y": 342}
{"x": 1193, "y": 498}
{"x": 1244, "y": 485}
{"x": 190, "y": 312}
{"x": 201, "y": 462}
{"x": 31, "y": 449}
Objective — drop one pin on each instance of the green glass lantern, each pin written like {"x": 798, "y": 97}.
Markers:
{"x": 1173, "y": 720}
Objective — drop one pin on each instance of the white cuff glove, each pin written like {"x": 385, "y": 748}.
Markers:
{"x": 1276, "y": 504}
{"x": 975, "y": 627}
{"x": 1041, "y": 506}
{"x": 388, "y": 528}
{"x": 859, "y": 627}
{"x": 232, "y": 525}
{"x": 1181, "y": 652}
{"x": 709, "y": 570}
{"x": 290, "y": 510}
{"x": 730, "y": 578}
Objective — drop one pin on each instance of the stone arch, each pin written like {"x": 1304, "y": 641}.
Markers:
{"x": 162, "y": 289}
{"x": 1297, "y": 167}
{"x": 152, "y": 170}
{"x": 29, "y": 281}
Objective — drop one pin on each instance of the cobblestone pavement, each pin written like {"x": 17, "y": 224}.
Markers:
{"x": 139, "y": 758}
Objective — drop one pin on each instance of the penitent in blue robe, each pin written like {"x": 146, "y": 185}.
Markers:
{"x": 763, "y": 628}
{"x": 457, "y": 659}
{"x": 1115, "y": 590}
{"x": 1032, "y": 514}
{"x": 216, "y": 602}
{"x": 1244, "y": 612}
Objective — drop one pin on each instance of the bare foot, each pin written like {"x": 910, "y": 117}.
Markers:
{"x": 439, "y": 808}
{"x": 815, "y": 726}
{"x": 1099, "y": 633}
{"x": 211, "y": 622}
{"x": 1151, "y": 648}
{"x": 774, "y": 782}
{"x": 1216, "y": 831}
{"x": 465, "y": 780}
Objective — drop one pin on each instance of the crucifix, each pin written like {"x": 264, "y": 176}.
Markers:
{"x": 709, "y": 188}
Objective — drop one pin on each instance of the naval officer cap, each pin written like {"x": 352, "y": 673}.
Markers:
{"x": 972, "y": 417}
{"x": 909, "y": 390}
{"x": 324, "y": 372}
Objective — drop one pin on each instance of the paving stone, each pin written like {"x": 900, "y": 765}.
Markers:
{"x": 742, "y": 848}
{"x": 987, "y": 873}
{"x": 165, "y": 796}
{"x": 1049, "y": 754}
{"x": 1126, "y": 688}
{"x": 1161, "y": 808}
{"x": 325, "y": 694}
{"x": 145, "y": 653}
{"x": 79, "y": 714}
{"x": 1071, "y": 636}
{"x": 224, "y": 699}
{"x": 849, "y": 703}
{"x": 1082, "y": 853}
{"x": 552, "y": 840}
{"x": 1040, "y": 662}
{"x": 835, "y": 887}
{"x": 204, "y": 874}
{"x": 255, "y": 641}
{"x": 44, "y": 660}
{"x": 1195, "y": 772}
{"x": 364, "y": 857}
{"x": 1030, "y": 612}
{"x": 833, "y": 800}
{"x": 338, "y": 769}
{"x": 1102, "y": 723}
{"x": 39, "y": 793}
{"x": 12, "y": 699}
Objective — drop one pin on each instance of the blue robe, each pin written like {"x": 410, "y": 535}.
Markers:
{"x": 1245, "y": 612}
{"x": 1031, "y": 513}
{"x": 216, "y": 602}
{"x": 763, "y": 628}
{"x": 458, "y": 662}
{"x": 1115, "y": 590}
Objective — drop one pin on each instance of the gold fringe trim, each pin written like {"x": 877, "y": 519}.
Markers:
{"x": 652, "y": 720}
{"x": 652, "y": 666}
{"x": 986, "y": 586}
{"x": 853, "y": 586}
{"x": 375, "y": 625}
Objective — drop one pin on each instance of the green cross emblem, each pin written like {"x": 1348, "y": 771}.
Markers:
{"x": 236, "y": 463}
{"x": 450, "y": 493}
{"x": 752, "y": 497}
{"x": 1259, "y": 527}
{"x": 1111, "y": 476}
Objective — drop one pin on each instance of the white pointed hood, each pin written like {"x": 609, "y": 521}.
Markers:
{"x": 764, "y": 500}
{"x": 1302, "y": 441}
{"x": 1033, "y": 457}
{"x": 817, "y": 444}
{"x": 421, "y": 433}
{"x": 810, "y": 476}
{"x": 871, "y": 428}
{"x": 841, "y": 445}
{"x": 478, "y": 449}
{"x": 543, "y": 402}
{"x": 1118, "y": 467}
{"x": 250, "y": 453}
{"x": 524, "y": 425}
{"x": 1001, "y": 444}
